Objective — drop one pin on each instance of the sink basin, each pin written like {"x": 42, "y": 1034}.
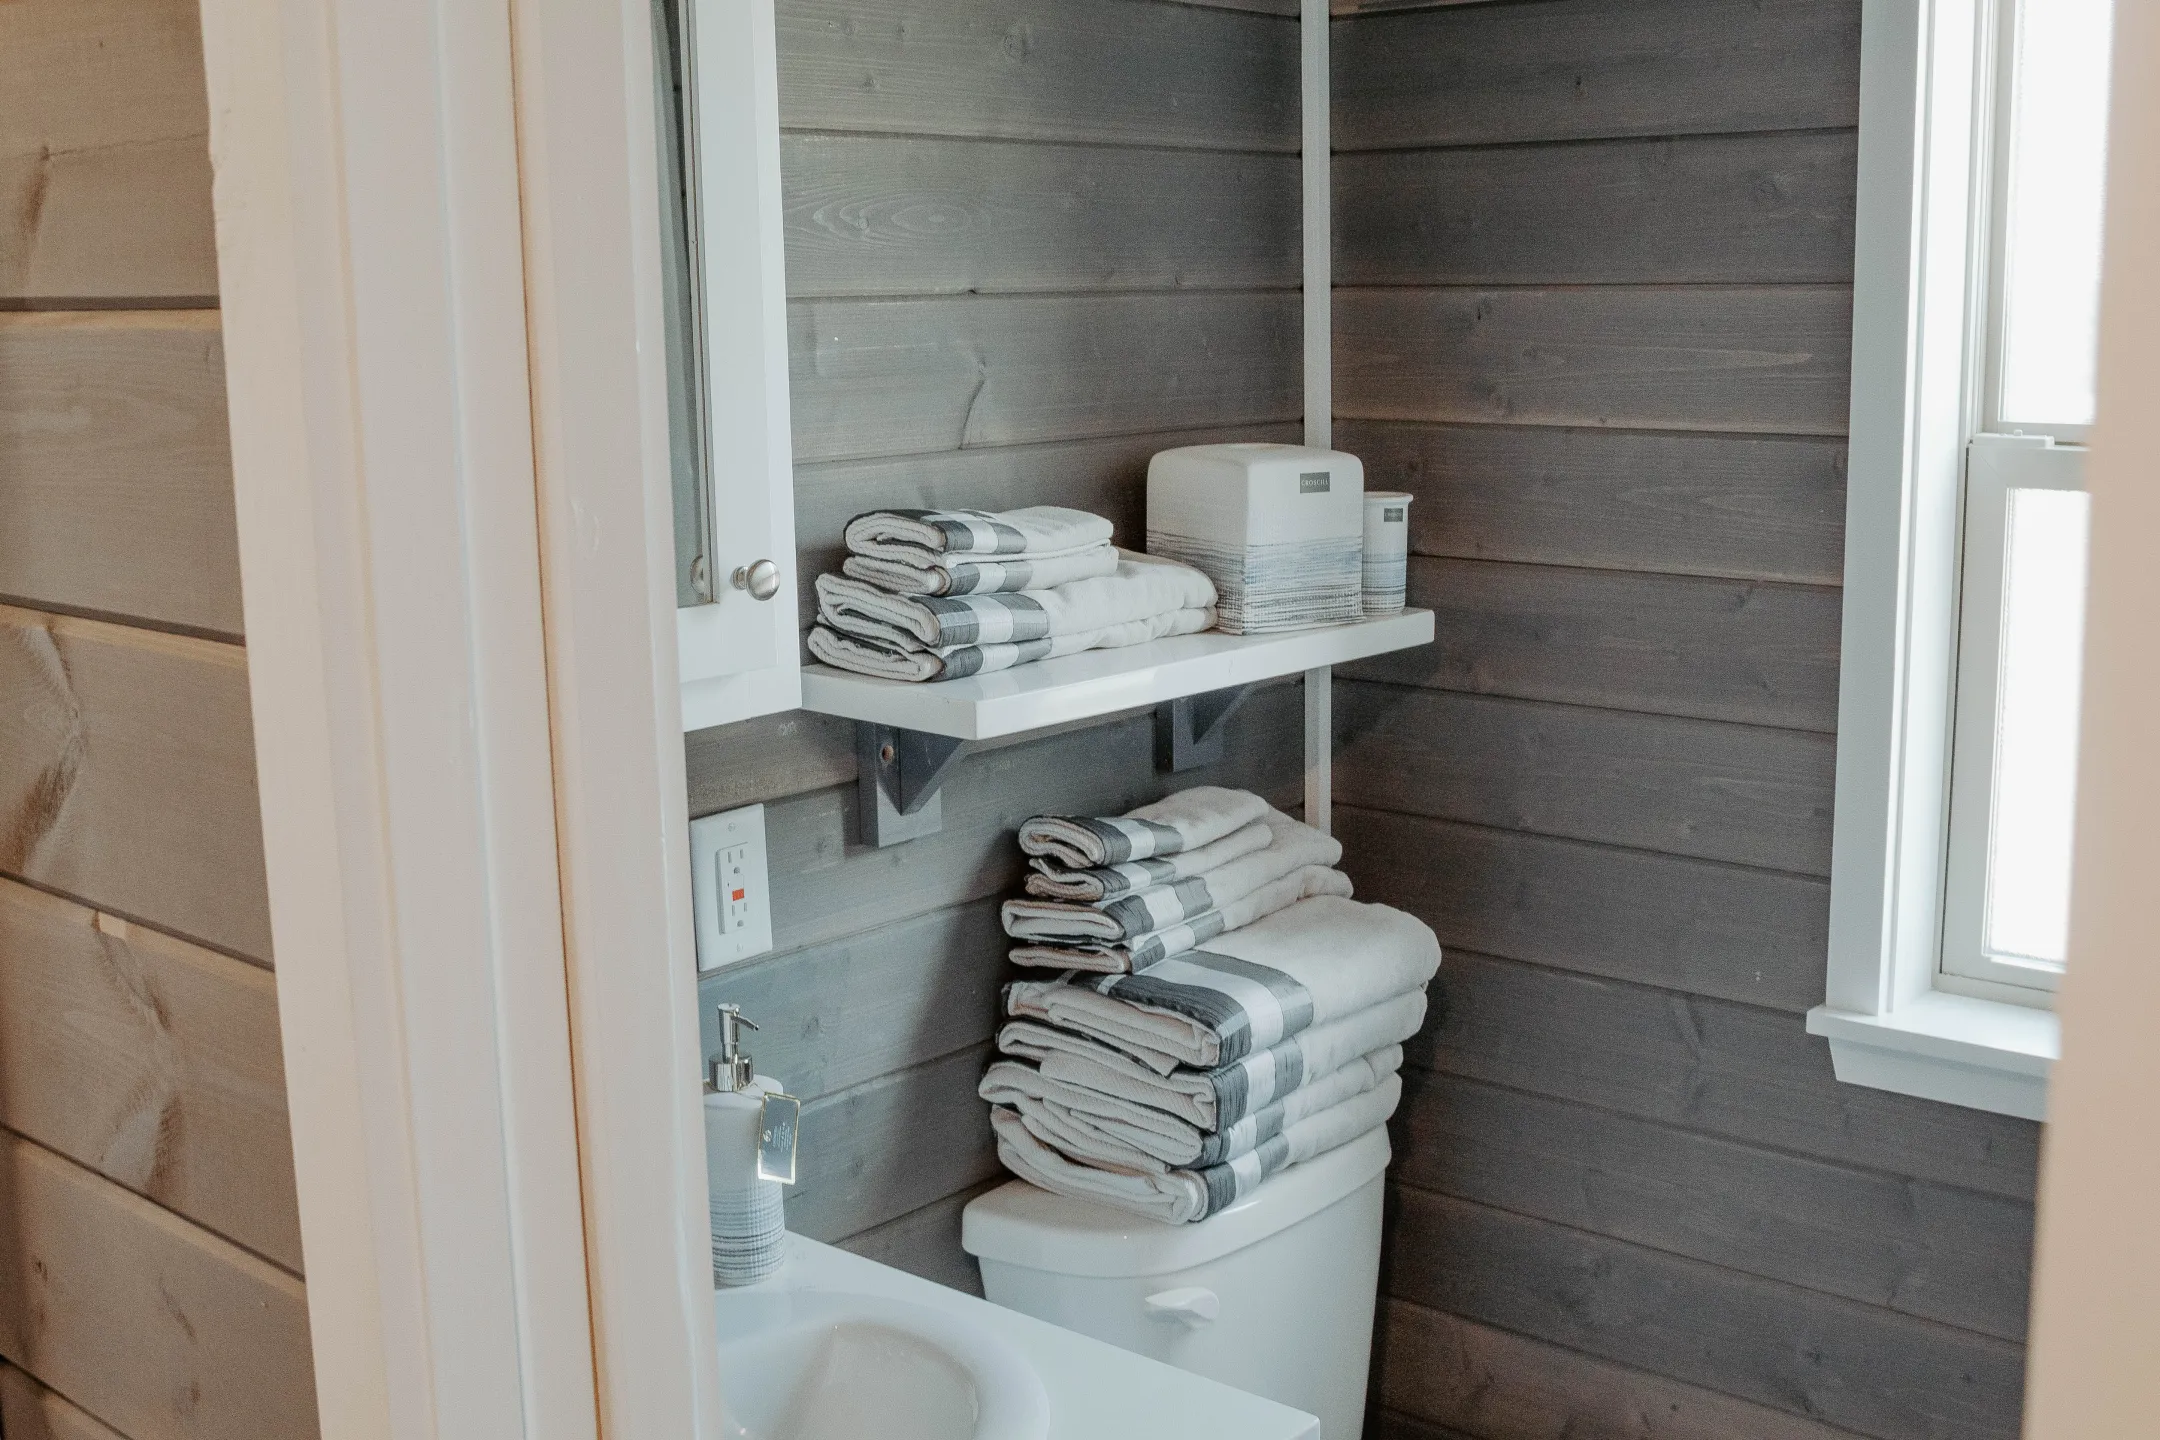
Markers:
{"x": 836, "y": 1365}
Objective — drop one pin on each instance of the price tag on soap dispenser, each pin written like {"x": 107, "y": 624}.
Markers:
{"x": 776, "y": 1137}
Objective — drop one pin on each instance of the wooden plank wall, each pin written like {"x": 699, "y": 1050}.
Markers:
{"x": 1029, "y": 243}
{"x": 149, "y": 1236}
{"x": 1594, "y": 264}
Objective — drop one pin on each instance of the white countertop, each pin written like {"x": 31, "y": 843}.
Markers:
{"x": 1097, "y": 1391}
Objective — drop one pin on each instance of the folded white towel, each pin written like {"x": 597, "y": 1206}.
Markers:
{"x": 1175, "y": 824}
{"x": 1210, "y": 1100}
{"x": 1319, "y": 960}
{"x": 1178, "y": 1196}
{"x": 1035, "y": 531}
{"x": 1141, "y": 588}
{"x": 1293, "y": 846}
{"x": 1105, "y": 1129}
{"x": 1049, "y": 880}
{"x": 904, "y": 659}
{"x": 1154, "y": 1142}
{"x": 935, "y": 574}
{"x": 1141, "y": 952}
{"x": 1065, "y": 1132}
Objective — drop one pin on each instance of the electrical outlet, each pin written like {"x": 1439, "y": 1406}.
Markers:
{"x": 728, "y": 889}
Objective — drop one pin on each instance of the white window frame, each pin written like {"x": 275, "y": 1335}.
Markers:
{"x": 1920, "y": 371}
{"x": 1997, "y": 467}
{"x": 1991, "y": 157}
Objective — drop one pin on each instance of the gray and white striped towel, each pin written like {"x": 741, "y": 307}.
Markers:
{"x": 1036, "y": 531}
{"x": 1048, "y": 880}
{"x": 1319, "y": 960}
{"x": 1141, "y": 588}
{"x": 1177, "y": 823}
{"x": 901, "y": 658}
{"x": 1179, "y": 1196}
{"x": 1150, "y": 1143}
{"x": 1104, "y": 1129}
{"x": 1293, "y": 845}
{"x": 933, "y": 574}
{"x": 1210, "y": 1100}
{"x": 1141, "y": 952}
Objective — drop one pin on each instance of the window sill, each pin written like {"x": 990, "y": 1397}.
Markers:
{"x": 1983, "y": 1054}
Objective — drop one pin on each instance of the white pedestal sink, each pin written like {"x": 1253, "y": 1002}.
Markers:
{"x": 834, "y": 1365}
{"x": 836, "y": 1347}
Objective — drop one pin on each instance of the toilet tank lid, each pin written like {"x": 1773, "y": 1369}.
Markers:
{"x": 1019, "y": 1224}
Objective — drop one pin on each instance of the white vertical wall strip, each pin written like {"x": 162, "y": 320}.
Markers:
{"x": 1320, "y": 749}
{"x": 1319, "y": 237}
{"x": 1319, "y": 358}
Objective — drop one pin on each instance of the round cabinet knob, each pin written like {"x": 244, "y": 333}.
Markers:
{"x": 761, "y": 579}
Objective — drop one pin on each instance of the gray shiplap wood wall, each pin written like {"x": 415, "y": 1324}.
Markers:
{"x": 1029, "y": 243}
{"x": 1595, "y": 265}
{"x": 150, "y": 1256}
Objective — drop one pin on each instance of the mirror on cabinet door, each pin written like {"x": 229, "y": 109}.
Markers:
{"x": 735, "y": 583}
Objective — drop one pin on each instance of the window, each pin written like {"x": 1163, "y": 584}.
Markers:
{"x": 1976, "y": 306}
{"x": 2048, "y": 160}
{"x": 2021, "y": 615}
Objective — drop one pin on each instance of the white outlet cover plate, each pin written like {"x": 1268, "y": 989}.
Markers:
{"x": 734, "y": 841}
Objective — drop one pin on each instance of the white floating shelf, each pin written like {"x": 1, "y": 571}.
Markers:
{"x": 1100, "y": 682}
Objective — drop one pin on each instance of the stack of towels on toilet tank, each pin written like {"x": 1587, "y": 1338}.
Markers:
{"x": 941, "y": 594}
{"x": 1210, "y": 1006}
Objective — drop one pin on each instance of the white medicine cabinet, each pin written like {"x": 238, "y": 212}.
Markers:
{"x": 726, "y": 300}
{"x": 734, "y": 560}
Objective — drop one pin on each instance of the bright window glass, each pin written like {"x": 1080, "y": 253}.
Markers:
{"x": 2042, "y": 640}
{"x": 2056, "y": 159}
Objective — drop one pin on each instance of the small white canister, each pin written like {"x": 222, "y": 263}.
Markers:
{"x": 1387, "y": 550}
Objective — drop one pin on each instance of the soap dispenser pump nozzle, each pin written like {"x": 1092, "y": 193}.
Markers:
{"x": 731, "y": 1070}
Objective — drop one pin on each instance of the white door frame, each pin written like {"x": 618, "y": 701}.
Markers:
{"x": 437, "y": 261}
{"x": 589, "y": 168}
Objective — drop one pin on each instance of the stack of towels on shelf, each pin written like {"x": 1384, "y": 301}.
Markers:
{"x": 939, "y": 594}
{"x": 1224, "y": 1008}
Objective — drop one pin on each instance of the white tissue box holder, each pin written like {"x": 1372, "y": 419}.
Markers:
{"x": 1280, "y": 529}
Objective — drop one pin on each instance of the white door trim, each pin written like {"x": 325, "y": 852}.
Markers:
{"x": 429, "y": 214}
{"x": 590, "y": 171}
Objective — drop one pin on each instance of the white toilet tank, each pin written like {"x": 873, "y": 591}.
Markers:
{"x": 1274, "y": 1295}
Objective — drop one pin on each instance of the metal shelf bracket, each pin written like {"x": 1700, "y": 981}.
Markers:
{"x": 899, "y": 775}
{"x": 1189, "y": 731}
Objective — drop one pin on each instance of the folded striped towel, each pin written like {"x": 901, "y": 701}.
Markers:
{"x": 1184, "y": 821}
{"x": 1139, "y": 589}
{"x": 1210, "y": 1100}
{"x": 1293, "y": 846}
{"x": 1036, "y": 531}
{"x": 1118, "y": 1143}
{"x": 1319, "y": 960}
{"x": 1104, "y": 1129}
{"x": 1049, "y": 880}
{"x": 900, "y": 657}
{"x": 936, "y": 574}
{"x": 1142, "y": 952}
{"x": 1179, "y": 1196}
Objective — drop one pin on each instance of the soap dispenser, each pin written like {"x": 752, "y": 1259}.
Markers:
{"x": 749, "y": 1155}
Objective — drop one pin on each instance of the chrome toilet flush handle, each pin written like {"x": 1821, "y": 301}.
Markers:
{"x": 761, "y": 578}
{"x": 1192, "y": 1305}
